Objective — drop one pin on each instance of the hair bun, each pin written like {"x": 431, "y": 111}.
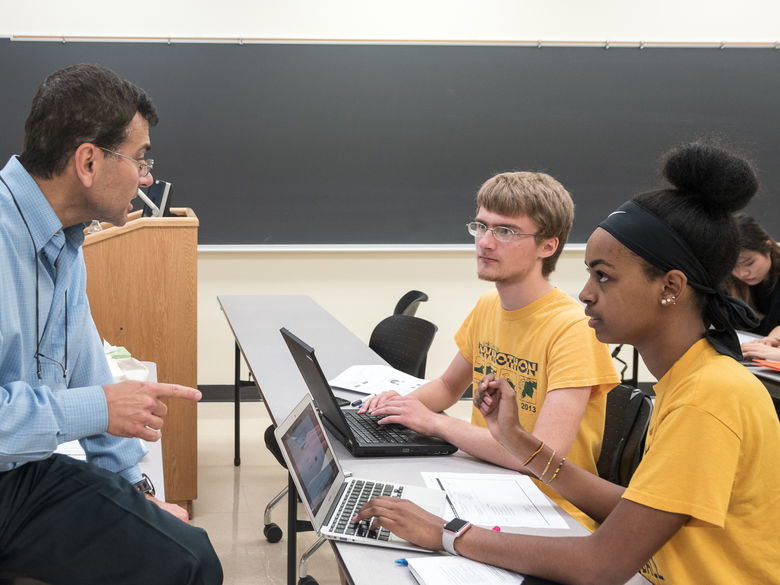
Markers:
{"x": 719, "y": 180}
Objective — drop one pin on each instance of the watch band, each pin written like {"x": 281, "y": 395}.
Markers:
{"x": 451, "y": 531}
{"x": 145, "y": 486}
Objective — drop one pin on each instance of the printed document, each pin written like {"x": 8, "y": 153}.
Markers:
{"x": 496, "y": 499}
{"x": 375, "y": 379}
{"x": 448, "y": 570}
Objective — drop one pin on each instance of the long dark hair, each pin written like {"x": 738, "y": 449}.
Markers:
{"x": 755, "y": 238}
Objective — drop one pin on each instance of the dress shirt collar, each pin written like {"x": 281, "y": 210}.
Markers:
{"x": 44, "y": 223}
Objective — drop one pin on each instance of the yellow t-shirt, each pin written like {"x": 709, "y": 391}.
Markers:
{"x": 713, "y": 453}
{"x": 543, "y": 347}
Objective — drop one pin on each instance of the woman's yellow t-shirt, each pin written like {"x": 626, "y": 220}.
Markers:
{"x": 713, "y": 453}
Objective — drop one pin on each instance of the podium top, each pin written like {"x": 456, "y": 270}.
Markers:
{"x": 182, "y": 217}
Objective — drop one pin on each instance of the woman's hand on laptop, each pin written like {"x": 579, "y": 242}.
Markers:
{"x": 404, "y": 519}
{"x": 374, "y": 401}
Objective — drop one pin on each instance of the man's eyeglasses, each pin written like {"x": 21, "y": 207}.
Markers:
{"x": 500, "y": 232}
{"x": 144, "y": 165}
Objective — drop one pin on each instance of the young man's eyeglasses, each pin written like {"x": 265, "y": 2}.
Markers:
{"x": 500, "y": 232}
{"x": 144, "y": 165}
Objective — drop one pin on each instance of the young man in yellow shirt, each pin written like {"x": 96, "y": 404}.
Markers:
{"x": 526, "y": 330}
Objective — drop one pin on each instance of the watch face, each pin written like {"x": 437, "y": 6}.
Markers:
{"x": 455, "y": 524}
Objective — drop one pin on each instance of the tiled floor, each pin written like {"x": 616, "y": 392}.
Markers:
{"x": 231, "y": 500}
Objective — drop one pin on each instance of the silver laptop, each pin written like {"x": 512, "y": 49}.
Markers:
{"x": 330, "y": 497}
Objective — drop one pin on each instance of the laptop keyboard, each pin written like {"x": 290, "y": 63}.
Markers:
{"x": 366, "y": 427}
{"x": 360, "y": 492}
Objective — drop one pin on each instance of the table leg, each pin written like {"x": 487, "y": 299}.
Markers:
{"x": 292, "y": 533}
{"x": 237, "y": 403}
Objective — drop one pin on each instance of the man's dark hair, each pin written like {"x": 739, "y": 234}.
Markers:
{"x": 78, "y": 104}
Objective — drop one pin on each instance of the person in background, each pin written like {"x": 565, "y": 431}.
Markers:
{"x": 526, "y": 330}
{"x": 702, "y": 505}
{"x": 65, "y": 521}
{"x": 755, "y": 277}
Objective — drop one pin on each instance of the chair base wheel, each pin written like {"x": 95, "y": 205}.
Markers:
{"x": 307, "y": 580}
{"x": 272, "y": 532}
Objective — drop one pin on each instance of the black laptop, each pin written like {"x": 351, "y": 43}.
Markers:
{"x": 360, "y": 433}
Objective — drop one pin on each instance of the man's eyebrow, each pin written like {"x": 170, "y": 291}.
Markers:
{"x": 507, "y": 225}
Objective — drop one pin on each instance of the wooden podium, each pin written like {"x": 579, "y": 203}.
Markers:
{"x": 142, "y": 288}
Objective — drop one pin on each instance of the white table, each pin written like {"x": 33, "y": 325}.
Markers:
{"x": 255, "y": 321}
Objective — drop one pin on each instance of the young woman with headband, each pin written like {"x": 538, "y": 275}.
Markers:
{"x": 703, "y": 505}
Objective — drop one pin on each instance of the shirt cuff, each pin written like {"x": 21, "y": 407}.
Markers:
{"x": 83, "y": 412}
{"x": 132, "y": 474}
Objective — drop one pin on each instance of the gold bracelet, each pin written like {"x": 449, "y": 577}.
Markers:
{"x": 546, "y": 467}
{"x": 534, "y": 454}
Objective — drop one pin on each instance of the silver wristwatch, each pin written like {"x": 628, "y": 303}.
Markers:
{"x": 145, "y": 486}
{"x": 452, "y": 530}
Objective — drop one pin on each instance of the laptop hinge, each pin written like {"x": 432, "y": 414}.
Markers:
{"x": 334, "y": 505}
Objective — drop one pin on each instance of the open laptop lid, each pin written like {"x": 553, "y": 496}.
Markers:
{"x": 310, "y": 459}
{"x": 316, "y": 382}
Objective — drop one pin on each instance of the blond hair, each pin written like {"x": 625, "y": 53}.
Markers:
{"x": 537, "y": 196}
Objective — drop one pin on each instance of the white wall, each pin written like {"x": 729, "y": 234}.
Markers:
{"x": 593, "y": 20}
{"x": 358, "y": 288}
{"x": 361, "y": 288}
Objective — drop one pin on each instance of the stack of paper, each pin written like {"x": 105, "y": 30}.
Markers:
{"x": 448, "y": 570}
{"x": 506, "y": 500}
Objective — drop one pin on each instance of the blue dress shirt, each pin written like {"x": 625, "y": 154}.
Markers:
{"x": 36, "y": 414}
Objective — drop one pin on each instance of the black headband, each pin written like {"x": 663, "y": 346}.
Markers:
{"x": 651, "y": 238}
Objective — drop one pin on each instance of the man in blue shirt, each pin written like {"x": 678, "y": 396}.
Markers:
{"x": 62, "y": 520}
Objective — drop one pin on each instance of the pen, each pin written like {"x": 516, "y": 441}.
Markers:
{"x": 357, "y": 402}
{"x": 401, "y": 562}
{"x": 447, "y": 497}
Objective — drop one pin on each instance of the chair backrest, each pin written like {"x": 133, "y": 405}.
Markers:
{"x": 403, "y": 342}
{"x": 407, "y": 304}
{"x": 273, "y": 446}
{"x": 625, "y": 428}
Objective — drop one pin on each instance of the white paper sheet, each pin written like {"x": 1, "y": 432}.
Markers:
{"x": 495, "y": 499}
{"x": 375, "y": 379}
{"x": 448, "y": 570}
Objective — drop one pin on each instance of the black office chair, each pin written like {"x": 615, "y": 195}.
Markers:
{"x": 408, "y": 304}
{"x": 625, "y": 428}
{"x": 271, "y": 530}
{"x": 403, "y": 342}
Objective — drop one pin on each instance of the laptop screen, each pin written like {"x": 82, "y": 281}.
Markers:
{"x": 315, "y": 379}
{"x": 312, "y": 461}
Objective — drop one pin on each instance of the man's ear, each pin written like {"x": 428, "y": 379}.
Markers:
{"x": 548, "y": 247}
{"x": 87, "y": 160}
